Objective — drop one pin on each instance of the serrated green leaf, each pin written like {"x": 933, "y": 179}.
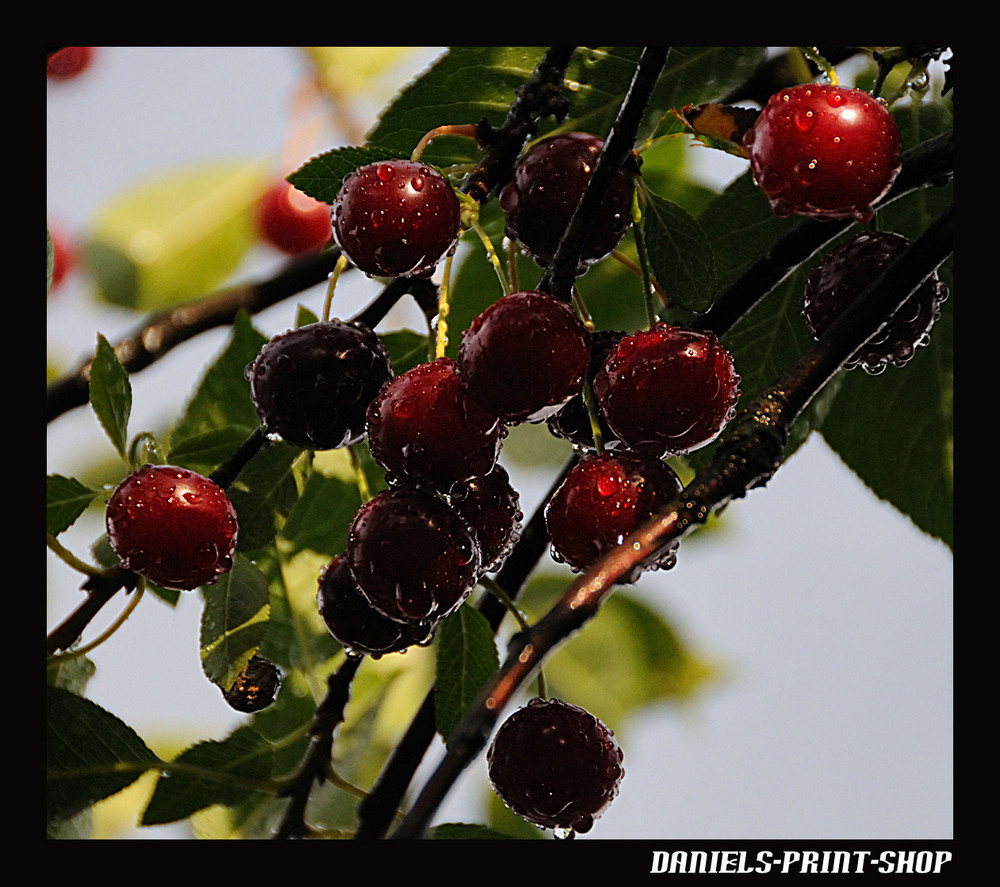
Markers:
{"x": 90, "y": 754}
{"x": 65, "y": 500}
{"x": 680, "y": 254}
{"x": 321, "y": 177}
{"x": 466, "y": 657}
{"x": 220, "y": 769}
{"x": 177, "y": 235}
{"x": 222, "y": 399}
{"x": 111, "y": 394}
{"x": 264, "y": 493}
{"x": 234, "y": 622}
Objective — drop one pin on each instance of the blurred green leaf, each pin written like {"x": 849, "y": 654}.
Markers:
{"x": 177, "y": 235}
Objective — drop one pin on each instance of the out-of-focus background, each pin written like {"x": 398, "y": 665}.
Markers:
{"x": 832, "y": 713}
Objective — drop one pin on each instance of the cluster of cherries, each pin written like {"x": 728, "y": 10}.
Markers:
{"x": 449, "y": 514}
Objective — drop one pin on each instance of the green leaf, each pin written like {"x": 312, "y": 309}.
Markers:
{"x": 90, "y": 754}
{"x": 629, "y": 657}
{"x": 679, "y": 253}
{"x": 406, "y": 349}
{"x": 217, "y": 771}
{"x": 320, "y": 517}
{"x": 321, "y": 177}
{"x": 264, "y": 493}
{"x": 111, "y": 394}
{"x": 177, "y": 235}
{"x": 466, "y": 657}
{"x": 234, "y": 622}
{"x": 222, "y": 399}
{"x": 65, "y": 500}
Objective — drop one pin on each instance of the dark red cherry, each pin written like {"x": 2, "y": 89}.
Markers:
{"x": 538, "y": 202}
{"x": 353, "y": 621}
{"x": 492, "y": 508}
{"x": 556, "y": 765}
{"x": 412, "y": 556}
{"x": 524, "y": 356}
{"x": 842, "y": 275}
{"x": 667, "y": 390}
{"x": 396, "y": 217}
{"x": 423, "y": 428}
{"x": 311, "y": 386}
{"x": 603, "y": 499}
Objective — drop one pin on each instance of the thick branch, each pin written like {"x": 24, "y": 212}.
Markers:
{"x": 748, "y": 457}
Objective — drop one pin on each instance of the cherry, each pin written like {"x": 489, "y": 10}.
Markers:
{"x": 396, "y": 217}
{"x": 69, "y": 62}
{"x": 842, "y": 275}
{"x": 353, "y": 621}
{"x": 524, "y": 356}
{"x": 293, "y": 222}
{"x": 256, "y": 687}
{"x": 423, "y": 428}
{"x": 492, "y": 508}
{"x": 573, "y": 421}
{"x": 556, "y": 765}
{"x": 667, "y": 390}
{"x": 311, "y": 386}
{"x": 602, "y": 500}
{"x": 412, "y": 556}
{"x": 824, "y": 151}
{"x": 173, "y": 526}
{"x": 63, "y": 257}
{"x": 548, "y": 182}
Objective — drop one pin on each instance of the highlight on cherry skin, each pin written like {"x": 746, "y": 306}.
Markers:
{"x": 173, "y": 526}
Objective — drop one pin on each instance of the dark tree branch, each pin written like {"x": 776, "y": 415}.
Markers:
{"x": 559, "y": 277}
{"x": 749, "y": 455}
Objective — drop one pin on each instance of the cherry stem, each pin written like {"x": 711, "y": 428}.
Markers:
{"x": 332, "y": 286}
{"x": 466, "y": 130}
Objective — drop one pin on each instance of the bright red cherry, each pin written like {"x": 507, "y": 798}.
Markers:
{"x": 396, "y": 217}
{"x": 603, "y": 499}
{"x": 423, "y": 428}
{"x": 548, "y": 183}
{"x": 556, "y": 765}
{"x": 828, "y": 152}
{"x": 173, "y": 526}
{"x": 841, "y": 277}
{"x": 293, "y": 222}
{"x": 524, "y": 356}
{"x": 412, "y": 556}
{"x": 667, "y": 390}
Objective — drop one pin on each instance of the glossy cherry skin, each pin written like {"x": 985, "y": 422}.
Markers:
{"x": 524, "y": 356}
{"x": 423, "y": 428}
{"x": 353, "y": 621}
{"x": 293, "y": 222}
{"x": 828, "y": 152}
{"x": 602, "y": 500}
{"x": 492, "y": 509}
{"x": 173, "y": 526}
{"x": 839, "y": 278}
{"x": 667, "y": 390}
{"x": 396, "y": 217}
{"x": 556, "y": 765}
{"x": 412, "y": 556}
{"x": 549, "y": 180}
{"x": 311, "y": 386}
